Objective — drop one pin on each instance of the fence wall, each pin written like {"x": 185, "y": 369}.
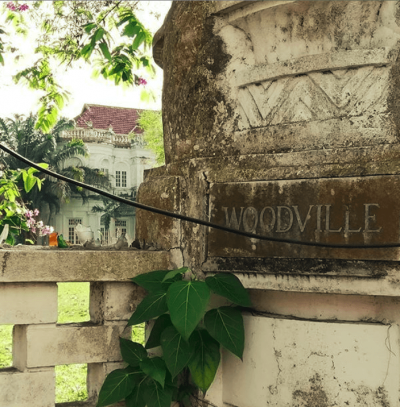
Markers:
{"x": 28, "y": 300}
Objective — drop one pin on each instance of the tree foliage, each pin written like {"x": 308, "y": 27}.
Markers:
{"x": 151, "y": 123}
{"x": 106, "y": 34}
{"x": 22, "y": 136}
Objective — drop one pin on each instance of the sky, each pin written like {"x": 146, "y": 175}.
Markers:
{"x": 18, "y": 99}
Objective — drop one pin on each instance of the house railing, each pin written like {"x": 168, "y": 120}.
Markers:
{"x": 28, "y": 300}
{"x": 97, "y": 136}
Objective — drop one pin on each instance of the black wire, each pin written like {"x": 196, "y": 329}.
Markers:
{"x": 189, "y": 219}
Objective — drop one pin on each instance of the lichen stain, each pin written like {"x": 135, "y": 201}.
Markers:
{"x": 314, "y": 397}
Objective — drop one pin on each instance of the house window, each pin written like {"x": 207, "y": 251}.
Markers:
{"x": 72, "y": 237}
{"x": 120, "y": 179}
{"x": 120, "y": 228}
{"x": 104, "y": 236}
{"x": 117, "y": 178}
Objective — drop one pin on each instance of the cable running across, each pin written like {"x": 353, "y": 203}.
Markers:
{"x": 190, "y": 219}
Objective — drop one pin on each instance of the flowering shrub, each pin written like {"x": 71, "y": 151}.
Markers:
{"x": 15, "y": 7}
{"x": 142, "y": 81}
{"x": 35, "y": 226}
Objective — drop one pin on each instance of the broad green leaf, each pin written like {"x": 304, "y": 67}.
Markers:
{"x": 155, "y": 396}
{"x": 176, "y": 351}
{"x": 162, "y": 322}
{"x": 118, "y": 385}
{"x": 118, "y": 68}
{"x": 229, "y": 286}
{"x": 225, "y": 324}
{"x": 151, "y": 281}
{"x": 205, "y": 361}
{"x": 187, "y": 302}
{"x": 151, "y": 307}
{"x": 1, "y": 59}
{"x": 132, "y": 353}
{"x": 39, "y": 184}
{"x": 43, "y": 165}
{"x": 135, "y": 399}
{"x": 174, "y": 273}
{"x": 29, "y": 182}
{"x": 155, "y": 368}
{"x": 105, "y": 50}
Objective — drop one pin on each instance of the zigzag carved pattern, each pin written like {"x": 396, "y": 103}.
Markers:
{"x": 313, "y": 96}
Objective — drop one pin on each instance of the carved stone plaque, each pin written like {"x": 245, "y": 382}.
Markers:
{"x": 338, "y": 211}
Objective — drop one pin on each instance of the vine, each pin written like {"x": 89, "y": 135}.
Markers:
{"x": 190, "y": 338}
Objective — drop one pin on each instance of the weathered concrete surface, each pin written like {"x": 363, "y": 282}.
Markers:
{"x": 28, "y": 303}
{"x": 160, "y": 231}
{"x": 114, "y": 301}
{"x": 290, "y": 363}
{"x": 51, "y": 345}
{"x": 28, "y": 389}
{"x": 61, "y": 266}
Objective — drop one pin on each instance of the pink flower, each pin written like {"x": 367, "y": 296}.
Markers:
{"x": 11, "y": 6}
{"x": 142, "y": 81}
{"x": 46, "y": 230}
{"x": 36, "y": 212}
{"x": 40, "y": 224}
{"x": 33, "y": 230}
{"x": 23, "y": 7}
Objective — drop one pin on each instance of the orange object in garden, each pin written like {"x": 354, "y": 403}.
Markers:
{"x": 53, "y": 239}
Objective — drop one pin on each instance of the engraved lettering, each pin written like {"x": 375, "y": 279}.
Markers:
{"x": 250, "y": 216}
{"x": 279, "y": 219}
{"x": 302, "y": 226}
{"x": 267, "y": 228}
{"x": 233, "y": 222}
{"x": 328, "y": 221}
{"x": 347, "y": 229}
{"x": 369, "y": 218}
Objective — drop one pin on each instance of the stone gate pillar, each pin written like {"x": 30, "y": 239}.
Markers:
{"x": 282, "y": 118}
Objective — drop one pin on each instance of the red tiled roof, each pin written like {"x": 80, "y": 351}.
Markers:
{"x": 122, "y": 119}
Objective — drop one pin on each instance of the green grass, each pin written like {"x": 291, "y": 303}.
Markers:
{"x": 5, "y": 346}
{"x": 73, "y": 306}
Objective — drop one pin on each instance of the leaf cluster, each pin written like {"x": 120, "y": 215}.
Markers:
{"x": 12, "y": 207}
{"x": 106, "y": 33}
{"x": 190, "y": 338}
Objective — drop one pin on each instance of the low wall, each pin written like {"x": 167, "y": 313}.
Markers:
{"x": 28, "y": 300}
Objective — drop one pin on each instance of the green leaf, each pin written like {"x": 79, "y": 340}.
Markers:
{"x": 1, "y": 59}
{"x": 225, "y": 324}
{"x": 39, "y": 183}
{"x": 229, "y": 286}
{"x": 187, "y": 302}
{"x": 155, "y": 368}
{"x": 151, "y": 307}
{"x": 105, "y": 50}
{"x": 174, "y": 273}
{"x": 162, "y": 322}
{"x": 118, "y": 385}
{"x": 89, "y": 27}
{"x": 118, "y": 68}
{"x": 176, "y": 351}
{"x": 155, "y": 396}
{"x": 29, "y": 182}
{"x": 98, "y": 35}
{"x": 132, "y": 353}
{"x": 87, "y": 50}
{"x": 205, "y": 361}
{"x": 140, "y": 37}
{"x": 43, "y": 165}
{"x": 135, "y": 399}
{"x": 131, "y": 29}
{"x": 151, "y": 281}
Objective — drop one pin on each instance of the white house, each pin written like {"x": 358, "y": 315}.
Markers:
{"x": 105, "y": 129}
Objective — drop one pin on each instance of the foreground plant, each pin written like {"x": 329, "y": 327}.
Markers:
{"x": 190, "y": 339}
{"x": 13, "y": 211}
